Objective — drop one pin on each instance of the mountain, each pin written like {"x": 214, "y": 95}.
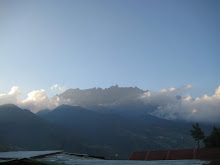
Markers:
{"x": 80, "y": 130}
{"x": 112, "y": 96}
{"x": 106, "y": 134}
{"x": 123, "y": 101}
{"x": 43, "y": 112}
{"x": 110, "y": 134}
{"x": 23, "y": 130}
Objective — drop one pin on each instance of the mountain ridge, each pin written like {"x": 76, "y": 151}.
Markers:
{"x": 120, "y": 133}
{"x": 101, "y": 97}
{"x": 77, "y": 129}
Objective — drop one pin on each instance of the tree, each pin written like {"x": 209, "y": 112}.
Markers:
{"x": 213, "y": 140}
{"x": 197, "y": 134}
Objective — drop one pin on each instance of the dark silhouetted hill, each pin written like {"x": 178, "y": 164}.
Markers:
{"x": 79, "y": 130}
{"x": 24, "y": 130}
{"x": 43, "y": 112}
{"x": 110, "y": 133}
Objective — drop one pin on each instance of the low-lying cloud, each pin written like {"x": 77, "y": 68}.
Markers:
{"x": 172, "y": 103}
{"x": 11, "y": 97}
{"x": 38, "y": 99}
{"x": 35, "y": 101}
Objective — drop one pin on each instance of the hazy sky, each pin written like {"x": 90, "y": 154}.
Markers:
{"x": 152, "y": 44}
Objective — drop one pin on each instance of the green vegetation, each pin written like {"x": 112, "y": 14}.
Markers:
{"x": 197, "y": 134}
{"x": 213, "y": 140}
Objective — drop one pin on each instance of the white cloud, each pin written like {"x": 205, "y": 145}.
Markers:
{"x": 36, "y": 100}
{"x": 164, "y": 96}
{"x": 56, "y": 86}
{"x": 11, "y": 97}
{"x": 194, "y": 111}
{"x": 172, "y": 105}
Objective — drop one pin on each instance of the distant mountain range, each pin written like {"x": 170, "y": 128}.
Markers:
{"x": 20, "y": 129}
{"x": 96, "y": 132}
{"x": 123, "y": 101}
{"x": 110, "y": 97}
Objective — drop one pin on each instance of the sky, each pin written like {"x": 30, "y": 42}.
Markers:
{"x": 151, "y": 44}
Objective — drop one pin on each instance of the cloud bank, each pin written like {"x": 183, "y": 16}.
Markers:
{"x": 35, "y": 101}
{"x": 12, "y": 96}
{"x": 38, "y": 99}
{"x": 172, "y": 103}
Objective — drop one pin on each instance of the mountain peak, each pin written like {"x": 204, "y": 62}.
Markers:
{"x": 114, "y": 86}
{"x": 113, "y": 95}
{"x": 9, "y": 106}
{"x": 64, "y": 106}
{"x": 43, "y": 112}
{"x": 67, "y": 107}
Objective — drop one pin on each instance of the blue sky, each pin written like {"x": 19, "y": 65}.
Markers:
{"x": 152, "y": 44}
